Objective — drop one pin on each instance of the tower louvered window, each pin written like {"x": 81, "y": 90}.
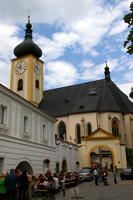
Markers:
{"x": 20, "y": 85}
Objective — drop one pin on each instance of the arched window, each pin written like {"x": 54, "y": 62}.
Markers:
{"x": 37, "y": 84}
{"x": 89, "y": 128}
{"x": 115, "y": 127}
{"x": 78, "y": 135}
{"x": 62, "y": 130}
{"x": 20, "y": 85}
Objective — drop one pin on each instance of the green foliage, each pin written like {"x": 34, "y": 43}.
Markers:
{"x": 131, "y": 93}
{"x": 129, "y": 20}
{"x": 129, "y": 154}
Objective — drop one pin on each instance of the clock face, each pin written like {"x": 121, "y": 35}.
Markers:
{"x": 20, "y": 67}
{"x": 37, "y": 68}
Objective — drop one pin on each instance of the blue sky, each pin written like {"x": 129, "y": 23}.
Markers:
{"x": 76, "y": 37}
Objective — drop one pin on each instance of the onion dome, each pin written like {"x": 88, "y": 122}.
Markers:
{"x": 28, "y": 46}
{"x": 107, "y": 72}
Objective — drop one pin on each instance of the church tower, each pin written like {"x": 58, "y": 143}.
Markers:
{"x": 27, "y": 69}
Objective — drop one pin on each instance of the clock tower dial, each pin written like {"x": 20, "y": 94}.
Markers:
{"x": 20, "y": 67}
{"x": 37, "y": 68}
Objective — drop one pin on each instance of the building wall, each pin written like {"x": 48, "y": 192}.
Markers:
{"x": 103, "y": 121}
{"x": 98, "y": 120}
{"x": 32, "y": 146}
{"x": 68, "y": 152}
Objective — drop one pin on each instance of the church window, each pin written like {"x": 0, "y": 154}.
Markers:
{"x": 3, "y": 115}
{"x": 25, "y": 127}
{"x": 89, "y": 128}
{"x": 44, "y": 132}
{"x": 78, "y": 135}
{"x": 115, "y": 127}
{"x": 62, "y": 130}
{"x": 20, "y": 85}
{"x": 37, "y": 84}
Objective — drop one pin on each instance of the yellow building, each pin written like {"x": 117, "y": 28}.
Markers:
{"x": 97, "y": 116}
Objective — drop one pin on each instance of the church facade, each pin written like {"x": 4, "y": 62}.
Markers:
{"x": 97, "y": 116}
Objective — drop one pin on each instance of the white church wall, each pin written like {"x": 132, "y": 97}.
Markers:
{"x": 34, "y": 143}
{"x": 68, "y": 152}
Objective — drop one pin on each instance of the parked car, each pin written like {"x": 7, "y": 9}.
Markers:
{"x": 127, "y": 173}
{"x": 86, "y": 174}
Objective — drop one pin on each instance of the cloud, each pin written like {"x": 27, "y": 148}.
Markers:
{"x": 126, "y": 88}
{"x": 118, "y": 27}
{"x": 5, "y": 73}
{"x": 8, "y": 40}
{"x": 60, "y": 73}
{"x": 55, "y": 47}
{"x": 84, "y": 28}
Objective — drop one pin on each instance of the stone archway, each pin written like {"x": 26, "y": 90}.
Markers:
{"x": 100, "y": 145}
{"x": 64, "y": 165}
{"x": 25, "y": 165}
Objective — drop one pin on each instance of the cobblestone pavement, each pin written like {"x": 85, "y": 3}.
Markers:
{"x": 123, "y": 190}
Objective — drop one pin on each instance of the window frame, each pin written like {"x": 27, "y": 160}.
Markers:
{"x": 25, "y": 124}
{"x": 78, "y": 134}
{"x": 37, "y": 84}
{"x": 20, "y": 85}
{"x": 115, "y": 127}
{"x": 3, "y": 114}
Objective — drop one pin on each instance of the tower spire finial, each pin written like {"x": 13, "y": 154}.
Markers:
{"x": 107, "y": 72}
{"x": 28, "y": 15}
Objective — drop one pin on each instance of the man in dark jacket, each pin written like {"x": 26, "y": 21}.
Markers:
{"x": 11, "y": 181}
{"x": 23, "y": 184}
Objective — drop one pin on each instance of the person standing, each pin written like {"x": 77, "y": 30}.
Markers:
{"x": 30, "y": 186}
{"x": 11, "y": 181}
{"x": 3, "y": 186}
{"x": 23, "y": 184}
{"x": 96, "y": 176}
{"x": 35, "y": 185}
{"x": 63, "y": 187}
{"x": 114, "y": 174}
{"x": 99, "y": 175}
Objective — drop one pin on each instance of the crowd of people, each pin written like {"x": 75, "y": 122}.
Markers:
{"x": 101, "y": 175}
{"x": 18, "y": 185}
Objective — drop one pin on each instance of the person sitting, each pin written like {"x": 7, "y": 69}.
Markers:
{"x": 56, "y": 179}
{"x": 40, "y": 177}
{"x": 52, "y": 187}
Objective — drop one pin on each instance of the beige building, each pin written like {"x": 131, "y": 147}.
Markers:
{"x": 97, "y": 116}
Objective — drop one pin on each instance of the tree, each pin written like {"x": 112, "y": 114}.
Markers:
{"x": 129, "y": 19}
{"x": 131, "y": 93}
{"x": 129, "y": 154}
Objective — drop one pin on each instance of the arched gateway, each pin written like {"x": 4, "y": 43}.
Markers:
{"x": 102, "y": 146}
{"x": 102, "y": 139}
{"x": 25, "y": 164}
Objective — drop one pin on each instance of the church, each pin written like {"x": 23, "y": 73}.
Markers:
{"x": 27, "y": 133}
{"x": 83, "y": 125}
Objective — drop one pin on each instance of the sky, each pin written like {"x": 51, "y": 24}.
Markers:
{"x": 76, "y": 38}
